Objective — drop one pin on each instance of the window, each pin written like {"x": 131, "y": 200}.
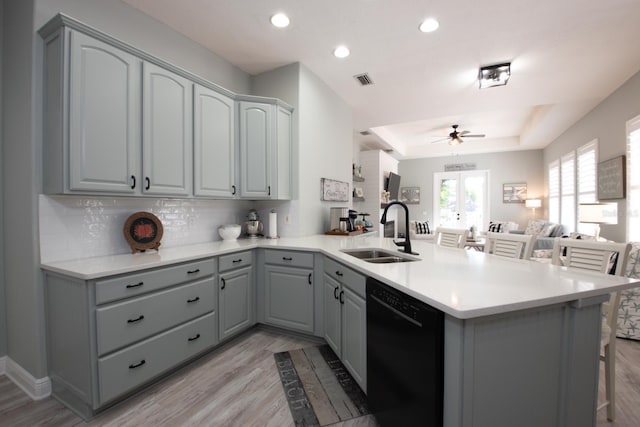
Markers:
{"x": 554, "y": 191}
{"x": 633, "y": 180}
{"x": 572, "y": 180}
{"x": 586, "y": 177}
{"x": 568, "y": 190}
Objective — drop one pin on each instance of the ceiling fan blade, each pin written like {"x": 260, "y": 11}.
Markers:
{"x": 478, "y": 135}
{"x": 463, "y": 133}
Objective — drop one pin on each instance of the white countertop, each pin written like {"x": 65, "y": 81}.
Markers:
{"x": 463, "y": 283}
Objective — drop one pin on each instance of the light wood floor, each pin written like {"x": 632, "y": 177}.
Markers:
{"x": 237, "y": 385}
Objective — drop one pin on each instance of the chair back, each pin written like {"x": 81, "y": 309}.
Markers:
{"x": 510, "y": 245}
{"x": 451, "y": 237}
{"x": 591, "y": 255}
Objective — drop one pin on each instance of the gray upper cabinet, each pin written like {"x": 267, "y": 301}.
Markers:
{"x": 214, "y": 144}
{"x": 96, "y": 147}
{"x": 256, "y": 149}
{"x": 167, "y": 138}
{"x": 120, "y": 121}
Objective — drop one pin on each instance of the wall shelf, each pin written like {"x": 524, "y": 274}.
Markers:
{"x": 358, "y": 178}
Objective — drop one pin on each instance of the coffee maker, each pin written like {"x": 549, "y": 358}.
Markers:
{"x": 253, "y": 226}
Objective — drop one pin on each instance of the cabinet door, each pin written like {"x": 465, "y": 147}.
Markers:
{"x": 214, "y": 144}
{"x": 167, "y": 146}
{"x": 289, "y": 297}
{"x": 236, "y": 302}
{"x": 104, "y": 117}
{"x": 354, "y": 336}
{"x": 332, "y": 332}
{"x": 283, "y": 155}
{"x": 256, "y": 135}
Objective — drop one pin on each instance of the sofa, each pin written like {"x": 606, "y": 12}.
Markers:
{"x": 545, "y": 232}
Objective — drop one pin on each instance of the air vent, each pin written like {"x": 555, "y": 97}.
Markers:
{"x": 364, "y": 79}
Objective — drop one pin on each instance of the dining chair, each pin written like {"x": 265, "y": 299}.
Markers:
{"x": 599, "y": 256}
{"x": 509, "y": 245}
{"x": 451, "y": 237}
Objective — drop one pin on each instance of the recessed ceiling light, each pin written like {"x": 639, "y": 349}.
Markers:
{"x": 341, "y": 52}
{"x": 280, "y": 20}
{"x": 429, "y": 25}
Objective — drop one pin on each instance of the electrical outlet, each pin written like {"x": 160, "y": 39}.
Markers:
{"x": 287, "y": 219}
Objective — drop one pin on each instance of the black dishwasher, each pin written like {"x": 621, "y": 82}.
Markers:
{"x": 405, "y": 358}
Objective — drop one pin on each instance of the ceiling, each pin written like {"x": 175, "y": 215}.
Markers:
{"x": 566, "y": 56}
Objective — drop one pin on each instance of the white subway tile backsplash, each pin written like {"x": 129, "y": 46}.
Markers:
{"x": 73, "y": 227}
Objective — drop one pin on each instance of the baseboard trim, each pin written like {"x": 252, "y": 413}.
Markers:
{"x": 3, "y": 365}
{"x": 36, "y": 388}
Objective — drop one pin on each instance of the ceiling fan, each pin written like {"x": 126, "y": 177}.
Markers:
{"x": 455, "y": 136}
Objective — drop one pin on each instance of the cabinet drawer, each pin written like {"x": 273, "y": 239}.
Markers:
{"x": 128, "y": 368}
{"x": 355, "y": 281}
{"x": 291, "y": 258}
{"x": 236, "y": 260}
{"x": 135, "y": 284}
{"x": 123, "y": 323}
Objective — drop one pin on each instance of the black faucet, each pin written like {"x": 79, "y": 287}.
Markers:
{"x": 407, "y": 243}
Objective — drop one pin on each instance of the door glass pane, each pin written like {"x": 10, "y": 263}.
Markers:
{"x": 475, "y": 198}
{"x": 448, "y": 202}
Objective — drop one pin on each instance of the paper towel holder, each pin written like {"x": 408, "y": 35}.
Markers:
{"x": 272, "y": 232}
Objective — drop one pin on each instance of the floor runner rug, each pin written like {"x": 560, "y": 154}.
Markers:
{"x": 319, "y": 389}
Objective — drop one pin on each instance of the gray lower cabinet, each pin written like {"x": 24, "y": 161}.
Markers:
{"x": 345, "y": 317}
{"x": 110, "y": 336}
{"x": 289, "y": 290}
{"x": 236, "y": 293}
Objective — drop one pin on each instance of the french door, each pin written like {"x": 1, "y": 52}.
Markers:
{"x": 461, "y": 199}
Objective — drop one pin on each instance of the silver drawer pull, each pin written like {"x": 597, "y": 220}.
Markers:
{"x": 197, "y": 270}
{"x": 137, "y": 365}
{"x": 139, "y": 318}
{"x": 196, "y": 299}
{"x": 135, "y": 285}
{"x": 193, "y": 338}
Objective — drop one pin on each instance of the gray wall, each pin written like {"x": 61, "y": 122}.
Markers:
{"x": 508, "y": 167}
{"x": 21, "y": 167}
{"x": 607, "y": 123}
{"x": 3, "y": 319}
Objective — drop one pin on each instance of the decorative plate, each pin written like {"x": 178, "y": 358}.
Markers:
{"x": 143, "y": 230}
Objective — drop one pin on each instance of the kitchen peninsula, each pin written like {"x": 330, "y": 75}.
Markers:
{"x": 521, "y": 338}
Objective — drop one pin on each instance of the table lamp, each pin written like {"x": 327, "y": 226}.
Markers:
{"x": 533, "y": 204}
{"x": 598, "y": 213}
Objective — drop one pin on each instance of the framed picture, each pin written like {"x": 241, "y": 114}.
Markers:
{"x": 514, "y": 193}
{"x": 410, "y": 195}
{"x": 334, "y": 191}
{"x": 611, "y": 179}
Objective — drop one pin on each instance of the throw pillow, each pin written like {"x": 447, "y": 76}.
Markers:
{"x": 422, "y": 227}
{"x": 535, "y": 227}
{"x": 495, "y": 227}
{"x": 548, "y": 230}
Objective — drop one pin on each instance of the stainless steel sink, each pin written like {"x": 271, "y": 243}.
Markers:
{"x": 378, "y": 256}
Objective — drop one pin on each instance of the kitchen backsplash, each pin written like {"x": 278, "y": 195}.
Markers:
{"x": 73, "y": 227}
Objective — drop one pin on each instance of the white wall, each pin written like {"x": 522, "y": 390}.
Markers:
{"x": 606, "y": 122}
{"x": 508, "y": 167}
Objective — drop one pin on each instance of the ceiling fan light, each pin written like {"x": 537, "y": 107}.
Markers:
{"x": 494, "y": 75}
